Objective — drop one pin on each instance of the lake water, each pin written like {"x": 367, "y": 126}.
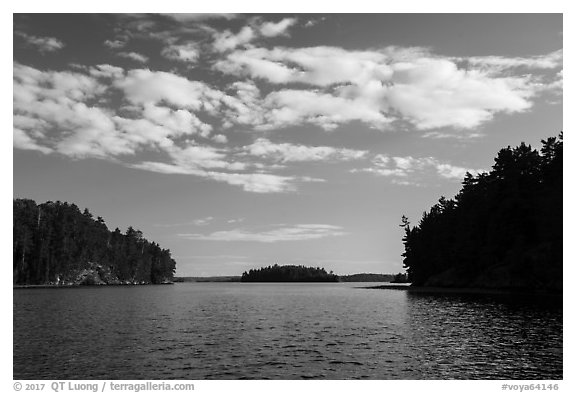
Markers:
{"x": 281, "y": 331}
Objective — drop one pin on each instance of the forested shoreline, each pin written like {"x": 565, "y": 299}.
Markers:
{"x": 502, "y": 230}
{"x": 54, "y": 243}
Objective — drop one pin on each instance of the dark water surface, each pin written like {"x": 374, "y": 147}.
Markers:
{"x": 281, "y": 331}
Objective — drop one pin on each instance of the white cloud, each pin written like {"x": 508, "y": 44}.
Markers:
{"x": 393, "y": 83}
{"x": 288, "y": 152}
{"x": 289, "y": 107}
{"x": 47, "y": 101}
{"x": 115, "y": 44}
{"x": 448, "y": 171}
{"x": 57, "y": 101}
{"x": 498, "y": 63}
{"x": 434, "y": 93}
{"x": 92, "y": 133}
{"x": 272, "y": 29}
{"x": 283, "y": 233}
{"x": 219, "y": 138}
{"x": 23, "y": 141}
{"x": 257, "y": 182}
{"x": 180, "y": 121}
{"x": 140, "y": 58}
{"x": 250, "y": 182}
{"x": 410, "y": 170}
{"x": 227, "y": 40}
{"x": 110, "y": 113}
{"x": 245, "y": 107}
{"x": 452, "y": 135}
{"x": 161, "y": 167}
{"x": 235, "y": 220}
{"x": 203, "y": 221}
{"x": 107, "y": 71}
{"x": 319, "y": 66}
{"x": 31, "y": 85}
{"x": 152, "y": 87}
{"x": 205, "y": 157}
{"x": 187, "y": 53}
{"x": 43, "y": 44}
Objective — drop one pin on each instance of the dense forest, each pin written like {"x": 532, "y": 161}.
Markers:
{"x": 288, "y": 273}
{"x": 56, "y": 243}
{"x": 502, "y": 230}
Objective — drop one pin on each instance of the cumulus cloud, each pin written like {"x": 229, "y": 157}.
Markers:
{"x": 107, "y": 112}
{"x": 434, "y": 93}
{"x": 187, "y": 53}
{"x": 142, "y": 86}
{"x": 228, "y": 40}
{"x": 220, "y": 138}
{"x": 138, "y": 57}
{"x": 320, "y": 66}
{"x": 22, "y": 140}
{"x": 47, "y": 101}
{"x": 106, "y": 71}
{"x": 63, "y": 101}
{"x": 390, "y": 84}
{"x": 410, "y": 170}
{"x": 281, "y": 234}
{"x": 115, "y": 44}
{"x": 178, "y": 122}
{"x": 272, "y": 29}
{"x": 57, "y": 101}
{"x": 288, "y": 152}
{"x": 42, "y": 44}
{"x": 289, "y": 107}
{"x": 244, "y": 106}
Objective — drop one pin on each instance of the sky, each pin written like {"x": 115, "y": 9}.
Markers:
{"x": 243, "y": 140}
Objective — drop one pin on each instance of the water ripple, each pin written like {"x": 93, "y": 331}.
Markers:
{"x": 276, "y": 331}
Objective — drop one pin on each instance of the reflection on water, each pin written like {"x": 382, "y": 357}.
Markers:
{"x": 281, "y": 331}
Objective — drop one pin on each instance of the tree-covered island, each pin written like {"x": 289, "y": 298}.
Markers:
{"x": 502, "y": 230}
{"x": 54, "y": 243}
{"x": 288, "y": 273}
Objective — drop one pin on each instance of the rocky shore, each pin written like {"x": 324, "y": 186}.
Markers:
{"x": 93, "y": 274}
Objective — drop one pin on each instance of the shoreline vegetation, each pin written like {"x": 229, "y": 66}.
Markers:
{"x": 57, "y": 245}
{"x": 288, "y": 273}
{"x": 502, "y": 231}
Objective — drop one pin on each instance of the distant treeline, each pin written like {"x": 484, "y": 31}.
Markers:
{"x": 368, "y": 277}
{"x": 56, "y": 243}
{"x": 208, "y": 279}
{"x": 288, "y": 273}
{"x": 359, "y": 277}
{"x": 503, "y": 229}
